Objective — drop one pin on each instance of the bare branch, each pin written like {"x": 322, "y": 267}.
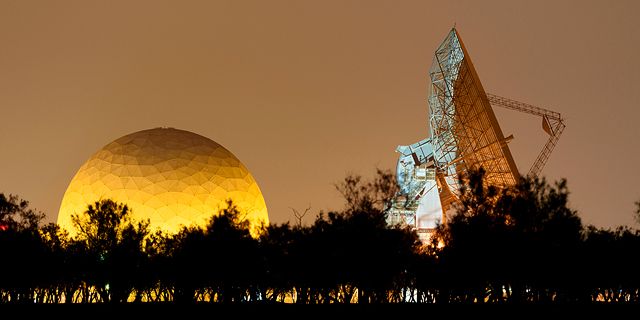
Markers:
{"x": 299, "y": 216}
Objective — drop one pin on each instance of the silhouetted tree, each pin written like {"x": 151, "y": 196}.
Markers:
{"x": 545, "y": 237}
{"x": 55, "y": 286}
{"x": 114, "y": 243}
{"x": 221, "y": 262}
{"x": 345, "y": 255}
{"x": 238, "y": 265}
{"x": 522, "y": 243}
{"x": 16, "y": 215}
{"x": 519, "y": 243}
{"x": 605, "y": 249}
{"x": 22, "y": 250}
{"x": 366, "y": 195}
{"x": 360, "y": 254}
{"x": 636, "y": 215}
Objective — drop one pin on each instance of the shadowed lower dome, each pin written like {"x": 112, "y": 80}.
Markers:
{"x": 171, "y": 177}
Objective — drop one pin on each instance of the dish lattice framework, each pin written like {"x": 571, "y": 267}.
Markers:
{"x": 464, "y": 135}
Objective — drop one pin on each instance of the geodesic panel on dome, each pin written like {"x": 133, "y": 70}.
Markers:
{"x": 171, "y": 177}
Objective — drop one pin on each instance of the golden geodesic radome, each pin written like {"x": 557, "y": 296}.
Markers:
{"x": 171, "y": 177}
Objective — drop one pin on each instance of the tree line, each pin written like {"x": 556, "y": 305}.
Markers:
{"x": 517, "y": 244}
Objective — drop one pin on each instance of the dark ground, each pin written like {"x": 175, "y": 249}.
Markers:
{"x": 265, "y": 310}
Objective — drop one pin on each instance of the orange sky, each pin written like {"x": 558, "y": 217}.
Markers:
{"x": 304, "y": 92}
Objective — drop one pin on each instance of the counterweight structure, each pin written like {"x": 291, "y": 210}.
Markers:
{"x": 464, "y": 135}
